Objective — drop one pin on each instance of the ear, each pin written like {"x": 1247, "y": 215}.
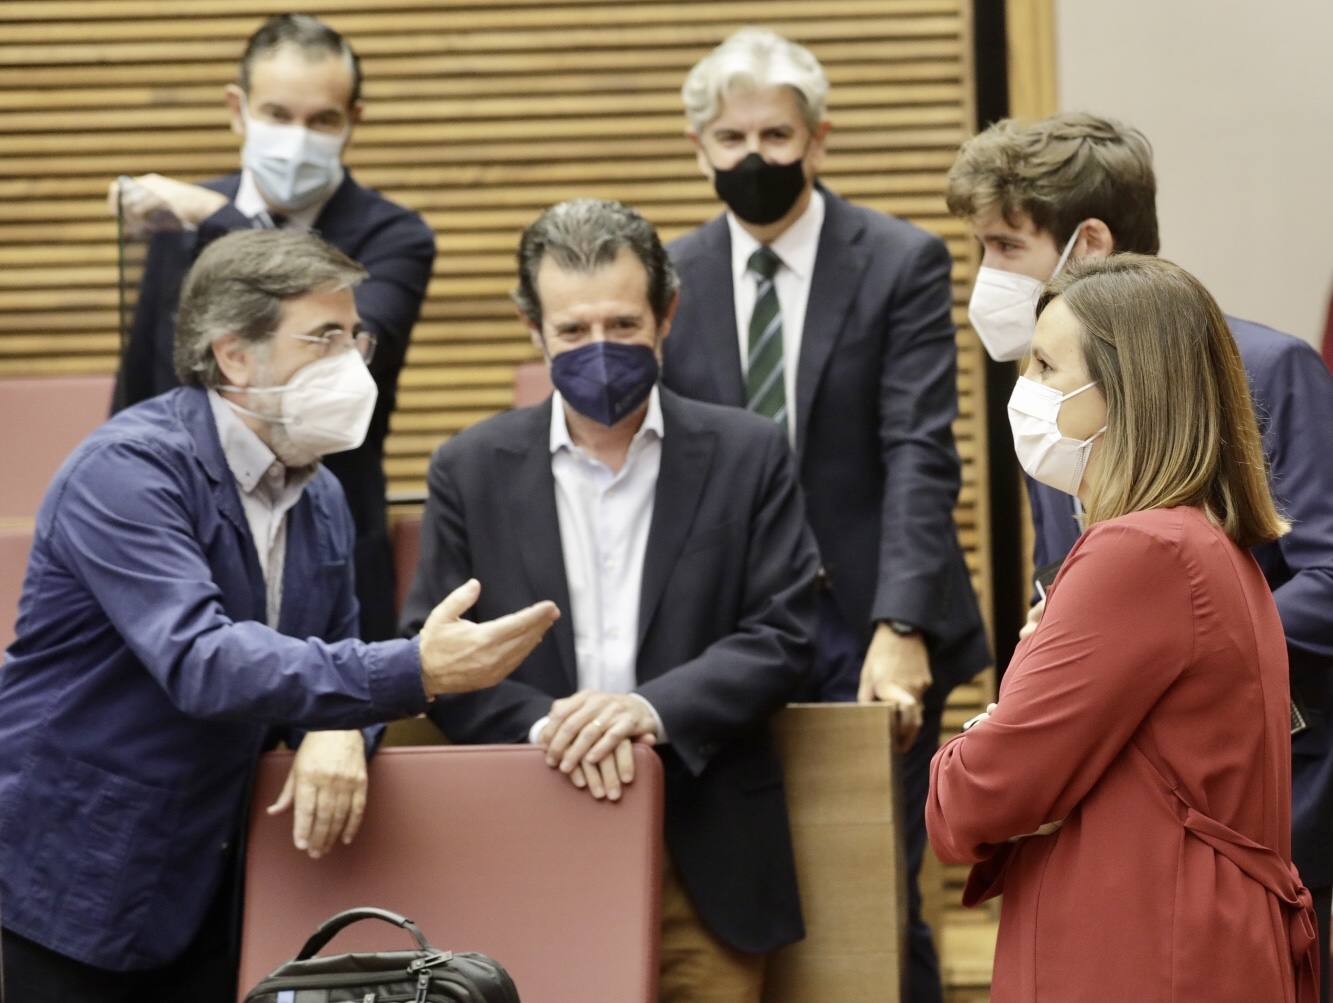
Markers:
{"x": 234, "y": 357}
{"x": 700, "y": 157}
{"x": 664, "y": 328}
{"x": 815, "y": 154}
{"x": 534, "y": 334}
{"x": 235, "y": 98}
{"x": 354, "y": 114}
{"x": 1095, "y": 240}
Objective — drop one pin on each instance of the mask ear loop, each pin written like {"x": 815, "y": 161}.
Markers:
{"x": 1064, "y": 255}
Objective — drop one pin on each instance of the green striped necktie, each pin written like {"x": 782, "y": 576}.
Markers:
{"x": 765, "y": 387}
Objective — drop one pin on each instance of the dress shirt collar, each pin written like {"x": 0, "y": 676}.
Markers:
{"x": 795, "y": 247}
{"x": 560, "y": 438}
{"x": 249, "y": 460}
{"x": 250, "y": 203}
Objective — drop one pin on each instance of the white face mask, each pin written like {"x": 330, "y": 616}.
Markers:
{"x": 292, "y": 166}
{"x": 1003, "y": 308}
{"x": 1044, "y": 453}
{"x": 325, "y": 407}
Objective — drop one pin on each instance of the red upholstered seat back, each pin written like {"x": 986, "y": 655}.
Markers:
{"x": 532, "y": 384}
{"x": 486, "y": 849}
{"x": 15, "y": 542}
{"x": 44, "y": 419}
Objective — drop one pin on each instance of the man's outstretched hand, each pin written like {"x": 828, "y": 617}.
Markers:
{"x": 458, "y": 656}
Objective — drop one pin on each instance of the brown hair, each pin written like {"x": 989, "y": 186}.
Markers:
{"x": 1180, "y": 425}
{"x": 237, "y": 286}
{"x": 1060, "y": 171}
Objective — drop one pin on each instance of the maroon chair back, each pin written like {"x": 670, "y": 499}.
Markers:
{"x": 46, "y": 417}
{"x": 15, "y": 542}
{"x": 405, "y": 533}
{"x": 486, "y": 849}
{"x": 532, "y": 384}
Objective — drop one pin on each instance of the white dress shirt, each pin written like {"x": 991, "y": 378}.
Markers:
{"x": 267, "y": 495}
{"x": 796, "y": 249}
{"x": 604, "y": 518}
{"x": 250, "y": 203}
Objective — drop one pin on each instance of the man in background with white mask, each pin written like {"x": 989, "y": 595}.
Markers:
{"x": 295, "y": 104}
{"x": 189, "y": 600}
{"x": 1078, "y": 185}
{"x": 834, "y": 322}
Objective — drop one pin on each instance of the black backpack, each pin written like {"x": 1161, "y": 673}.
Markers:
{"x": 426, "y": 975}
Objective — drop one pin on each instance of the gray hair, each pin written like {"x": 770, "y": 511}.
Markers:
{"x": 751, "y": 59}
{"x": 583, "y": 235}
{"x": 237, "y": 286}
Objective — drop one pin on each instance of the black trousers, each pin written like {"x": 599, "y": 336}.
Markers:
{"x": 1323, "y": 903}
{"x": 205, "y": 973}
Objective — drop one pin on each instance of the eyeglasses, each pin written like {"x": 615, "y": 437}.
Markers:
{"x": 363, "y": 341}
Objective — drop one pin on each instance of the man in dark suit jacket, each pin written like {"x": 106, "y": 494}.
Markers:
{"x": 672, "y": 533}
{"x": 867, "y": 361}
{"x": 296, "y": 103}
{"x": 1086, "y": 183}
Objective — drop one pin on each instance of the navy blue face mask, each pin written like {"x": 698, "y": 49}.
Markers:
{"x": 605, "y": 380}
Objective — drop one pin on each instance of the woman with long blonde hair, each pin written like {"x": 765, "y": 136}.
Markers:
{"x": 1130, "y": 791}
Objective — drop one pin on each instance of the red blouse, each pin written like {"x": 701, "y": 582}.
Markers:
{"x": 1150, "y": 712}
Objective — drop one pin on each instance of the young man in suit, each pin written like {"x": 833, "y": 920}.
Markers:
{"x": 296, "y": 103}
{"x": 1078, "y": 185}
{"x": 673, "y": 534}
{"x": 833, "y": 321}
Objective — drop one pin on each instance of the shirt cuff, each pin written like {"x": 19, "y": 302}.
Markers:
{"x": 394, "y": 673}
{"x": 535, "y": 731}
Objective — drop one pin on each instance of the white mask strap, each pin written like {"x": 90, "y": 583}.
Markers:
{"x": 1075, "y": 393}
{"x": 272, "y": 419}
{"x": 1064, "y": 255}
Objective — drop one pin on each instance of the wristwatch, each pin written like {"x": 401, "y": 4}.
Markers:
{"x": 903, "y": 628}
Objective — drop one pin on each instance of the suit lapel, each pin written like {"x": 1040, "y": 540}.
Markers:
{"x": 687, "y": 454}
{"x": 530, "y": 495}
{"x": 710, "y": 288}
{"x": 839, "y": 265}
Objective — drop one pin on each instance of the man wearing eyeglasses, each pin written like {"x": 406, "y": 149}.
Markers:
{"x": 295, "y": 104}
{"x": 189, "y": 600}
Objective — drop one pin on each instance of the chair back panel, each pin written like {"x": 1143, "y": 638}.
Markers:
{"x": 46, "y": 418}
{"x": 486, "y": 849}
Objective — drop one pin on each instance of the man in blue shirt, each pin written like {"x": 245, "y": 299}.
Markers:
{"x": 189, "y": 596}
{"x": 1078, "y": 185}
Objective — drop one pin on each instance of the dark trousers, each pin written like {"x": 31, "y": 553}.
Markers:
{"x": 835, "y": 678}
{"x": 205, "y": 973}
{"x": 1323, "y": 903}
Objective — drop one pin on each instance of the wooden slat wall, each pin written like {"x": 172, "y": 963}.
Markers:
{"x": 478, "y": 115}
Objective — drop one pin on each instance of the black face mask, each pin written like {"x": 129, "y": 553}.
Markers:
{"x": 759, "y": 192}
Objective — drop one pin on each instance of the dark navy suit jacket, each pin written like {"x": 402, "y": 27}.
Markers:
{"x": 397, "y": 248}
{"x": 726, "y": 618}
{"x": 876, "y": 396}
{"x": 1293, "y": 398}
{"x": 143, "y": 682}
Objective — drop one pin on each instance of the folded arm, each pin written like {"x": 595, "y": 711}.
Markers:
{"x": 1117, "y": 631}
